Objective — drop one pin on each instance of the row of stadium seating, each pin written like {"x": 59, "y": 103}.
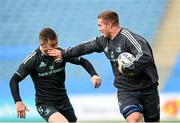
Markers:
{"x": 75, "y": 21}
{"x": 20, "y": 21}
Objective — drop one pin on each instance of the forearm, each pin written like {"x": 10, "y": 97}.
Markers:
{"x": 88, "y": 67}
{"x": 14, "y": 87}
{"x": 76, "y": 51}
{"x": 84, "y": 48}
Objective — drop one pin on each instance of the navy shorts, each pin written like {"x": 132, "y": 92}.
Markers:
{"x": 46, "y": 110}
{"x": 145, "y": 101}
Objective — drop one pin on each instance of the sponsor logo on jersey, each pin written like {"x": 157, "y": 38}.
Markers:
{"x": 112, "y": 55}
{"x": 51, "y": 71}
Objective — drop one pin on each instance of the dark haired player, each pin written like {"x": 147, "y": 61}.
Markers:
{"x": 137, "y": 82}
{"x": 48, "y": 76}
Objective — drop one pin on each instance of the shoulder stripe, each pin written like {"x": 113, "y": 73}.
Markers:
{"x": 18, "y": 73}
{"x": 132, "y": 40}
{"x": 135, "y": 44}
{"x": 132, "y": 37}
{"x": 29, "y": 57}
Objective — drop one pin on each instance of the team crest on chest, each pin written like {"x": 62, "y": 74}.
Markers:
{"x": 118, "y": 50}
{"x": 51, "y": 67}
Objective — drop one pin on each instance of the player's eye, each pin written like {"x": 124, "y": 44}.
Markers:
{"x": 53, "y": 45}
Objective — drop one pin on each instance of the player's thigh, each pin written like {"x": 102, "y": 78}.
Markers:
{"x": 69, "y": 114}
{"x": 151, "y": 106}
{"x": 46, "y": 110}
{"x": 57, "y": 117}
{"x": 129, "y": 103}
{"x": 67, "y": 111}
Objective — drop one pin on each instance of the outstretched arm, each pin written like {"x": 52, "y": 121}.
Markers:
{"x": 14, "y": 86}
{"x": 94, "y": 45}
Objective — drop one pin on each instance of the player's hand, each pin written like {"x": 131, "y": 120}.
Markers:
{"x": 21, "y": 109}
{"x": 56, "y": 53}
{"x": 120, "y": 63}
{"x": 96, "y": 80}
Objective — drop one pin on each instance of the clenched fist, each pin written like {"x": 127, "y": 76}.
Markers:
{"x": 96, "y": 80}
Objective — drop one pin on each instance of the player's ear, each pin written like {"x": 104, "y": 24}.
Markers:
{"x": 110, "y": 25}
{"x": 41, "y": 43}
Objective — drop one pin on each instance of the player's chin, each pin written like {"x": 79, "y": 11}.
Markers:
{"x": 106, "y": 35}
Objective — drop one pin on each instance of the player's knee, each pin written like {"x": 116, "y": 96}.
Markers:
{"x": 135, "y": 117}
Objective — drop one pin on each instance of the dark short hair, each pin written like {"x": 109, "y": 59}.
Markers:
{"x": 110, "y": 16}
{"x": 47, "y": 34}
